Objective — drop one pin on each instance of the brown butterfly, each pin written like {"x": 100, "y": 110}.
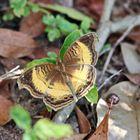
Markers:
{"x": 66, "y": 81}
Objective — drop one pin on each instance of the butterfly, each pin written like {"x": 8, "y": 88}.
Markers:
{"x": 66, "y": 81}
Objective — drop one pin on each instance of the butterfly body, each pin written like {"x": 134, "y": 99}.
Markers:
{"x": 66, "y": 81}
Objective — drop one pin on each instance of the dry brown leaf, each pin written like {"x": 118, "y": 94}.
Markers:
{"x": 124, "y": 121}
{"x": 76, "y": 137}
{"x": 131, "y": 57}
{"x": 10, "y": 63}
{"x": 83, "y": 122}
{"x": 92, "y": 7}
{"x": 135, "y": 34}
{"x": 15, "y": 44}
{"x": 4, "y": 89}
{"x": 134, "y": 78}
{"x": 5, "y": 106}
{"x": 32, "y": 24}
{"x": 101, "y": 132}
{"x": 41, "y": 52}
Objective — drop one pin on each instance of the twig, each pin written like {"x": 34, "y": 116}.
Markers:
{"x": 12, "y": 74}
{"x": 62, "y": 115}
{"x": 107, "y": 80}
{"x": 107, "y": 10}
{"x": 115, "y": 46}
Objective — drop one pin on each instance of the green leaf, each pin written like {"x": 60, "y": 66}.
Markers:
{"x": 71, "y": 12}
{"x": 26, "y": 11}
{"x": 64, "y": 25}
{"x": 18, "y": 4}
{"x": 52, "y": 55}
{"x": 49, "y": 20}
{"x": 85, "y": 24}
{"x": 71, "y": 38}
{"x": 21, "y": 117}
{"x": 45, "y": 129}
{"x": 40, "y": 62}
{"x": 92, "y": 95}
{"x": 105, "y": 48}
{"x": 22, "y": 12}
{"x": 53, "y": 34}
{"x": 49, "y": 109}
{"x": 29, "y": 136}
{"x": 8, "y": 16}
{"x": 34, "y": 7}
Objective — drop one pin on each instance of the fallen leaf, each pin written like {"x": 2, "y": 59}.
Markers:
{"x": 75, "y": 137}
{"x": 83, "y": 122}
{"x": 134, "y": 78}
{"x": 15, "y": 44}
{"x": 42, "y": 52}
{"x": 5, "y": 106}
{"x": 131, "y": 57}
{"x": 124, "y": 121}
{"x": 32, "y": 24}
{"x": 4, "y": 89}
{"x": 135, "y": 34}
{"x": 101, "y": 132}
{"x": 92, "y": 7}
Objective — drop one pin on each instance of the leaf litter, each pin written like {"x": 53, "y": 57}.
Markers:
{"x": 118, "y": 120}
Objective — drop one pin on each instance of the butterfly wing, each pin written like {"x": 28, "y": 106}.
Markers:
{"x": 47, "y": 83}
{"x": 82, "y": 51}
{"x": 79, "y": 61}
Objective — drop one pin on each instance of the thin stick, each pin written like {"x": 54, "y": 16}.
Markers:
{"x": 12, "y": 74}
{"x": 114, "y": 47}
{"x": 107, "y": 80}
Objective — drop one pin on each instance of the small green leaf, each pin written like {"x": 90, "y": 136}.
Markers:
{"x": 26, "y": 11}
{"x": 49, "y": 109}
{"x": 48, "y": 20}
{"x": 71, "y": 38}
{"x": 29, "y": 136}
{"x": 8, "y": 16}
{"x": 22, "y": 12}
{"x": 52, "y": 55}
{"x": 85, "y": 24}
{"x": 40, "y": 62}
{"x": 45, "y": 129}
{"x": 92, "y": 95}
{"x": 53, "y": 34}
{"x": 21, "y": 117}
{"x": 34, "y": 7}
{"x": 105, "y": 48}
{"x": 64, "y": 25}
{"x": 71, "y": 12}
{"x": 17, "y": 4}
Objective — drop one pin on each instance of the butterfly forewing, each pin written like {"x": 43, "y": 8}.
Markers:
{"x": 82, "y": 51}
{"x": 37, "y": 79}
